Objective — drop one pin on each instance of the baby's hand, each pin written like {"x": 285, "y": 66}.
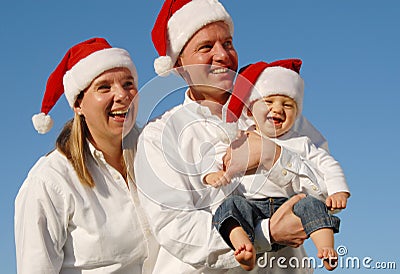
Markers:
{"x": 217, "y": 179}
{"x": 337, "y": 200}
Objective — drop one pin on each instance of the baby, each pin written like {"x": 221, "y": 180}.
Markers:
{"x": 274, "y": 103}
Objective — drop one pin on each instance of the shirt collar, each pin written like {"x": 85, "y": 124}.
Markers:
{"x": 203, "y": 110}
{"x": 97, "y": 154}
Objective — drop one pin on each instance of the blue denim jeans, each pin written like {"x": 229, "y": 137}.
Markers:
{"x": 247, "y": 213}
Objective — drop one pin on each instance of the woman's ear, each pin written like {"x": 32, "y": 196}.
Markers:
{"x": 77, "y": 107}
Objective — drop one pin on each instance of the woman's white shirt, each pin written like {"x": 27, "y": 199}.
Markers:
{"x": 62, "y": 226}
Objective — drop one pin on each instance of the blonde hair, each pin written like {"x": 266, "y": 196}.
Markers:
{"x": 129, "y": 145}
{"x": 72, "y": 143}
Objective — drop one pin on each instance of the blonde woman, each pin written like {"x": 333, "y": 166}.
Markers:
{"x": 77, "y": 211}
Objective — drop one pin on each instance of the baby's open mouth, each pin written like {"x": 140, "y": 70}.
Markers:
{"x": 275, "y": 120}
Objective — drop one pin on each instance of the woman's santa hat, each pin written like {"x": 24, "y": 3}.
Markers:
{"x": 177, "y": 22}
{"x": 79, "y": 67}
{"x": 263, "y": 79}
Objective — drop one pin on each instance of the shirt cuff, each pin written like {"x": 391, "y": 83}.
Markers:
{"x": 262, "y": 241}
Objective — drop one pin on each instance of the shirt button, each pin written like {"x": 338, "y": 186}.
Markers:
{"x": 314, "y": 187}
{"x": 116, "y": 176}
{"x": 225, "y": 139}
{"x": 264, "y": 172}
{"x": 289, "y": 164}
{"x": 284, "y": 172}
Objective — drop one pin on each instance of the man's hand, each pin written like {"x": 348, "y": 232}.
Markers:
{"x": 285, "y": 227}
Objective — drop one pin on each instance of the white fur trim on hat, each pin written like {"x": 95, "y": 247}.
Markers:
{"x": 42, "y": 122}
{"x": 79, "y": 77}
{"x": 186, "y": 21}
{"x": 279, "y": 81}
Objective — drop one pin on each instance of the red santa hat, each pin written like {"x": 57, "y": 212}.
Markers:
{"x": 263, "y": 79}
{"x": 79, "y": 67}
{"x": 177, "y": 22}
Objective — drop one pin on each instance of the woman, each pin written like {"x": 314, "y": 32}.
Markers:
{"x": 77, "y": 211}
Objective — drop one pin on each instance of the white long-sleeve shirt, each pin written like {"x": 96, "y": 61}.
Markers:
{"x": 318, "y": 174}
{"x": 177, "y": 203}
{"x": 323, "y": 175}
{"x": 64, "y": 227}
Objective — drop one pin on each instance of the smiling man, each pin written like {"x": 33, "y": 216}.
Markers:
{"x": 195, "y": 39}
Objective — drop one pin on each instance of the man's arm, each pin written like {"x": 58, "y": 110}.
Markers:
{"x": 167, "y": 196}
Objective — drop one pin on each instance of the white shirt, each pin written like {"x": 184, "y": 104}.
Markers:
{"x": 177, "y": 203}
{"x": 319, "y": 174}
{"x": 322, "y": 174}
{"x": 64, "y": 227}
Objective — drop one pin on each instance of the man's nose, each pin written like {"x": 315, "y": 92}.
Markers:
{"x": 220, "y": 52}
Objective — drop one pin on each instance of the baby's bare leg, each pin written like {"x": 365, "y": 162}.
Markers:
{"x": 245, "y": 253}
{"x": 324, "y": 242}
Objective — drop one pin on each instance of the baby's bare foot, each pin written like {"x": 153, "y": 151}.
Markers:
{"x": 329, "y": 257}
{"x": 246, "y": 256}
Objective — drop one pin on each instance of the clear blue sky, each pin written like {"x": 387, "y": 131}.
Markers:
{"x": 350, "y": 52}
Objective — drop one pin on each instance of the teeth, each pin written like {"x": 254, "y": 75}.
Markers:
{"x": 119, "y": 112}
{"x": 220, "y": 70}
{"x": 274, "y": 119}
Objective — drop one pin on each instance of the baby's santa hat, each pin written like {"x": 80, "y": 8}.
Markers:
{"x": 79, "y": 67}
{"x": 263, "y": 79}
{"x": 177, "y": 22}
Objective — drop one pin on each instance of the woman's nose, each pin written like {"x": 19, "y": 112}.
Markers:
{"x": 121, "y": 93}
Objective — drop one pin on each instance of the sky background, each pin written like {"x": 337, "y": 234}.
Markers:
{"x": 350, "y": 53}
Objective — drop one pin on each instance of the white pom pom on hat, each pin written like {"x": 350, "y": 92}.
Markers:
{"x": 163, "y": 65}
{"x": 79, "y": 67}
{"x": 177, "y": 22}
{"x": 42, "y": 122}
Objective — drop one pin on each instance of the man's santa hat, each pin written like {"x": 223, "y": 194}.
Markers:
{"x": 79, "y": 67}
{"x": 177, "y": 22}
{"x": 263, "y": 79}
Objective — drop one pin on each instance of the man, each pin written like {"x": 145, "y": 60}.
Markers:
{"x": 195, "y": 39}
